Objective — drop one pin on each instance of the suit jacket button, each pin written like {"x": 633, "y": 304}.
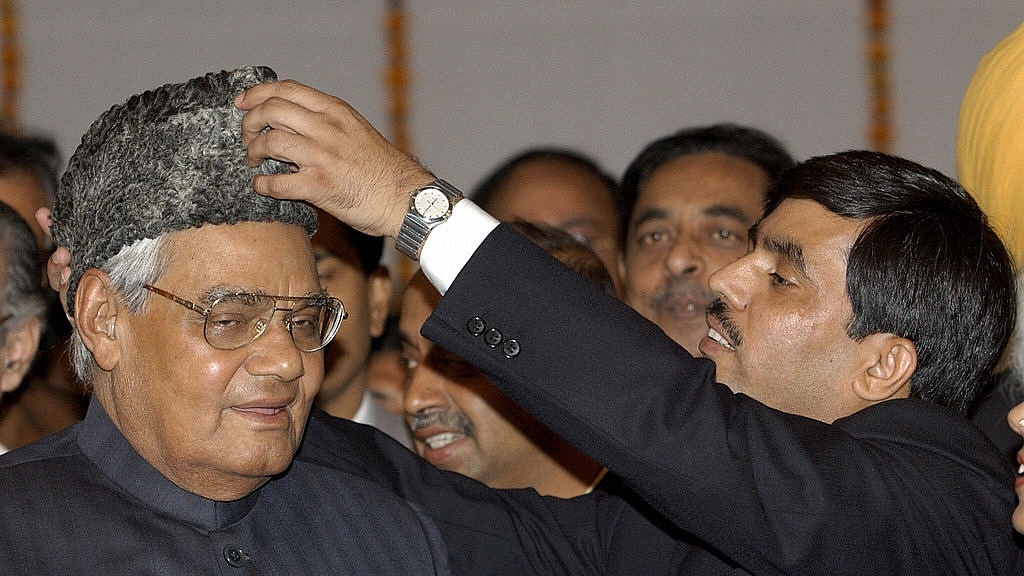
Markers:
{"x": 493, "y": 337}
{"x": 476, "y": 325}
{"x": 510, "y": 348}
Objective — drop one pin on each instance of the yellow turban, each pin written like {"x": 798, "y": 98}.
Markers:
{"x": 990, "y": 139}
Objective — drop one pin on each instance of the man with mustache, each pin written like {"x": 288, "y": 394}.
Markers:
{"x": 462, "y": 422}
{"x": 872, "y": 301}
{"x": 687, "y": 202}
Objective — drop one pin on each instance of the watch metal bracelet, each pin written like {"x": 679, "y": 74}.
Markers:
{"x": 411, "y": 236}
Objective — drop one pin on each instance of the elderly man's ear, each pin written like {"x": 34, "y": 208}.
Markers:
{"x": 96, "y": 309}
{"x": 19, "y": 349}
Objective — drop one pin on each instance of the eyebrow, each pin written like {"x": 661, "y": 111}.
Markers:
{"x": 713, "y": 210}
{"x": 220, "y": 291}
{"x": 788, "y": 249}
{"x": 725, "y": 210}
{"x": 579, "y": 221}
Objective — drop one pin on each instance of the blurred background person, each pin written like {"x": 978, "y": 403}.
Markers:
{"x": 561, "y": 188}
{"x": 50, "y": 399}
{"x": 1012, "y": 389}
{"x": 462, "y": 422}
{"x": 385, "y": 370}
{"x": 688, "y": 200}
{"x": 348, "y": 263}
{"x": 22, "y": 304}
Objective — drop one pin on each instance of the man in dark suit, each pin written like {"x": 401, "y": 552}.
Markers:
{"x": 873, "y": 301}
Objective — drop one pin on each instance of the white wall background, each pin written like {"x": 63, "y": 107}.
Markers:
{"x": 604, "y": 76}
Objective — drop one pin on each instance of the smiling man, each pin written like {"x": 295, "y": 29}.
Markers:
{"x": 873, "y": 303}
{"x": 462, "y": 422}
{"x": 199, "y": 324}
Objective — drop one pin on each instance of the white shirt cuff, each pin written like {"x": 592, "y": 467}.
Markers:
{"x": 450, "y": 245}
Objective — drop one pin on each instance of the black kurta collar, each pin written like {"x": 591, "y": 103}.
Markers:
{"x": 109, "y": 450}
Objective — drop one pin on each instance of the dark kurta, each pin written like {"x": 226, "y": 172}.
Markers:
{"x": 84, "y": 502}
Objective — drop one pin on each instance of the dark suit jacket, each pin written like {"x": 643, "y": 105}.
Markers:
{"x": 903, "y": 487}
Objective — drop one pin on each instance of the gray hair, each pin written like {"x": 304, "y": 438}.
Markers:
{"x": 22, "y": 295}
{"x": 166, "y": 160}
{"x": 144, "y": 262}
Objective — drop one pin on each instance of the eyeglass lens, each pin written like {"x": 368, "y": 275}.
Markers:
{"x": 236, "y": 320}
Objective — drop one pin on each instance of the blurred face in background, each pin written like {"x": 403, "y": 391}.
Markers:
{"x": 564, "y": 196}
{"x": 1016, "y": 419}
{"x": 365, "y": 296}
{"x": 690, "y": 219}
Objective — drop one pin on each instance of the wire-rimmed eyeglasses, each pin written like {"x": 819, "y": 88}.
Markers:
{"x": 236, "y": 319}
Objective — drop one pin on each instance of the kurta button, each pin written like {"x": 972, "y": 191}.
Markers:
{"x": 510, "y": 348}
{"x": 235, "y": 555}
{"x": 476, "y": 325}
{"x": 493, "y": 337}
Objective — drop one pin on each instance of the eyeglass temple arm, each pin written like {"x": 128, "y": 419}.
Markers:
{"x": 174, "y": 298}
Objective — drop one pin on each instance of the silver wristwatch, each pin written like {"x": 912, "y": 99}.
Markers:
{"x": 429, "y": 206}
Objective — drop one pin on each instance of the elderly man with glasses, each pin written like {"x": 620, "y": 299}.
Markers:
{"x": 199, "y": 320}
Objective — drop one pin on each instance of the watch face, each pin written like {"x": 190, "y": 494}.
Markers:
{"x": 432, "y": 204}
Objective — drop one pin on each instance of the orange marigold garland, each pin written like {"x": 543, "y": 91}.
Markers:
{"x": 880, "y": 133}
{"x": 397, "y": 77}
{"x": 396, "y": 80}
{"x": 9, "y": 106}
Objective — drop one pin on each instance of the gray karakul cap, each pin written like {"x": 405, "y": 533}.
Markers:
{"x": 166, "y": 160}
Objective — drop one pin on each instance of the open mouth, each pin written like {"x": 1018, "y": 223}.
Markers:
{"x": 438, "y": 441}
{"x": 714, "y": 335}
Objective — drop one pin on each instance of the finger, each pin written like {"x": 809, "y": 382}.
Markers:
{"x": 276, "y": 114}
{"x": 293, "y": 186}
{"x": 286, "y": 147}
{"x": 58, "y": 269}
{"x": 285, "y": 89}
{"x": 43, "y": 218}
{"x": 302, "y": 111}
{"x": 278, "y": 105}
